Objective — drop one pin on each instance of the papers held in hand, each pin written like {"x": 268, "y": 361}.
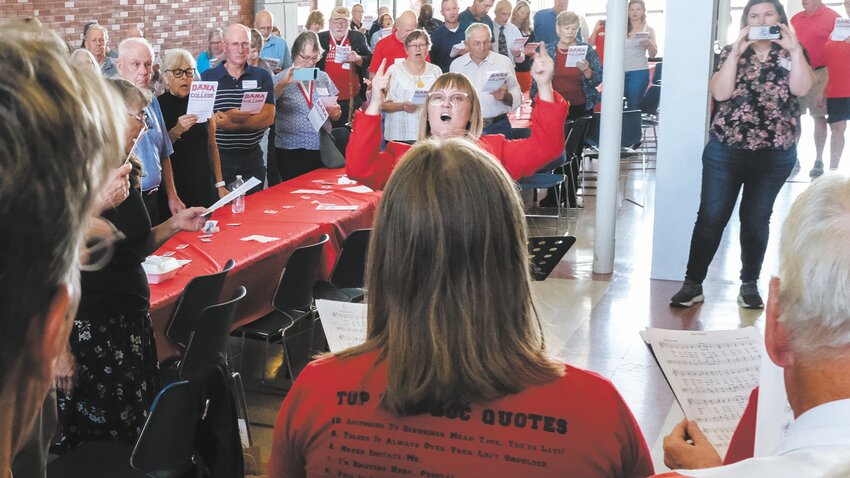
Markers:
{"x": 638, "y": 37}
{"x": 202, "y": 99}
{"x": 252, "y": 102}
{"x": 344, "y": 323}
{"x": 495, "y": 79}
{"x": 328, "y": 100}
{"x": 574, "y": 54}
{"x": 457, "y": 48}
{"x": 518, "y": 43}
{"x": 232, "y": 195}
{"x": 842, "y": 29}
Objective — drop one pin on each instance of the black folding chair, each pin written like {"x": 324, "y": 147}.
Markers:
{"x": 208, "y": 343}
{"x": 546, "y": 252}
{"x": 347, "y": 279}
{"x": 200, "y": 293}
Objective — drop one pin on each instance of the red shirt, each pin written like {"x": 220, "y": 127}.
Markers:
{"x": 813, "y": 31}
{"x": 345, "y": 81}
{"x": 366, "y": 163}
{"x": 331, "y": 424}
{"x": 567, "y": 80}
{"x": 838, "y": 64}
{"x": 391, "y": 48}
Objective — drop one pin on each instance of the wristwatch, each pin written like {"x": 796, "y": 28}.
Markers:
{"x": 220, "y": 184}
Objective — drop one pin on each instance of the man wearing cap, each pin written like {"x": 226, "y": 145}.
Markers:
{"x": 347, "y": 73}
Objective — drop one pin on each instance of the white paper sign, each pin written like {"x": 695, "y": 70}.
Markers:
{"x": 457, "y": 48}
{"x": 637, "y": 37}
{"x": 318, "y": 115}
{"x": 202, "y": 99}
{"x": 495, "y": 79}
{"x": 419, "y": 97}
{"x": 342, "y": 53}
{"x": 344, "y": 323}
{"x": 368, "y": 20}
{"x": 232, "y": 195}
{"x": 253, "y": 102}
{"x": 385, "y": 32}
{"x": 574, "y": 54}
{"x": 361, "y": 189}
{"x": 328, "y": 100}
{"x": 311, "y": 191}
{"x": 842, "y": 29}
{"x": 518, "y": 43}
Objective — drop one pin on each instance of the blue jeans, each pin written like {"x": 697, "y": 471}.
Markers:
{"x": 245, "y": 162}
{"x": 502, "y": 126}
{"x": 725, "y": 171}
{"x": 635, "y": 86}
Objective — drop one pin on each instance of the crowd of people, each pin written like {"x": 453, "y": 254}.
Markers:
{"x": 428, "y": 103}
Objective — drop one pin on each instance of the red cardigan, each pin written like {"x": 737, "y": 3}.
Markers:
{"x": 366, "y": 163}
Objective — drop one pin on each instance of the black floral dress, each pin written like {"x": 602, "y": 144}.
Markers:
{"x": 112, "y": 341}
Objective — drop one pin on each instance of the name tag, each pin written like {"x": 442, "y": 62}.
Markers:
{"x": 322, "y": 91}
{"x": 249, "y": 84}
{"x": 785, "y": 63}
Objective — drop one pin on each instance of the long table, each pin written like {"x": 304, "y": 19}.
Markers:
{"x": 276, "y": 212}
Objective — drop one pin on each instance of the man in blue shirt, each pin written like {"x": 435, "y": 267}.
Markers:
{"x": 544, "y": 23}
{"x": 275, "y": 50}
{"x": 135, "y": 64}
{"x": 238, "y": 134}
{"x": 446, "y": 36}
{"x": 476, "y": 13}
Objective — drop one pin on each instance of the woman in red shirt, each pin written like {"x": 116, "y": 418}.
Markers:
{"x": 454, "y": 111}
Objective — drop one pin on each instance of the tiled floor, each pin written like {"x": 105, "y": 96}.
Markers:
{"x": 593, "y": 321}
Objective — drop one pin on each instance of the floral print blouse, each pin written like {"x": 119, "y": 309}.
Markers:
{"x": 762, "y": 113}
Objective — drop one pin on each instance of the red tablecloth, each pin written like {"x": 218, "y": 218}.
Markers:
{"x": 258, "y": 265}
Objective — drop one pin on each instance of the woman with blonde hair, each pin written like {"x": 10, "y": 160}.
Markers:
{"x": 451, "y": 373}
{"x": 639, "y": 42}
{"x": 453, "y": 110}
{"x": 521, "y": 18}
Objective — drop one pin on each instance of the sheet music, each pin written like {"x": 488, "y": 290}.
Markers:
{"x": 773, "y": 414}
{"x": 344, "y": 323}
{"x": 711, "y": 373}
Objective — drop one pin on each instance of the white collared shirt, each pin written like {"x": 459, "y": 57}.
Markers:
{"x": 477, "y": 74}
{"x": 511, "y": 34}
{"x": 816, "y": 443}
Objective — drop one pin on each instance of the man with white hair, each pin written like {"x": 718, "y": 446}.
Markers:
{"x": 807, "y": 334}
{"x": 238, "y": 133}
{"x": 478, "y": 65}
{"x": 347, "y": 75}
{"x": 275, "y": 50}
{"x": 391, "y": 48}
{"x": 95, "y": 39}
{"x": 135, "y": 64}
{"x": 506, "y": 33}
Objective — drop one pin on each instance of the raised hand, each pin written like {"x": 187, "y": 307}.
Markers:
{"x": 380, "y": 83}
{"x": 542, "y": 70}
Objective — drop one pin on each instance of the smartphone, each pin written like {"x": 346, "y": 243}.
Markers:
{"x": 765, "y": 33}
{"x": 305, "y": 74}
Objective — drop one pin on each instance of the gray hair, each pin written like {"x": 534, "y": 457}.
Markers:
{"x": 306, "y": 38}
{"x": 478, "y": 26}
{"x": 122, "y": 47}
{"x": 814, "y": 268}
{"x": 95, "y": 26}
{"x": 80, "y": 54}
{"x": 175, "y": 58}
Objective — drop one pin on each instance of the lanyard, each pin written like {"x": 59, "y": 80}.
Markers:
{"x": 344, "y": 41}
{"x": 307, "y": 97}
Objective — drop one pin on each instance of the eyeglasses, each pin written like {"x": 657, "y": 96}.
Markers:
{"x": 243, "y": 45}
{"x": 141, "y": 117}
{"x": 190, "y": 72}
{"x": 437, "y": 98}
{"x": 216, "y": 42}
{"x": 417, "y": 46}
{"x": 311, "y": 59}
{"x": 99, "y": 246}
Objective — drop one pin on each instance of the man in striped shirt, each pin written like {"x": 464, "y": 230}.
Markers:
{"x": 239, "y": 133}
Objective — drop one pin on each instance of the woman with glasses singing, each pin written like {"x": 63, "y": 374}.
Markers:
{"x": 195, "y": 163}
{"x": 411, "y": 79}
{"x": 453, "y": 110}
{"x": 107, "y": 393}
{"x": 296, "y": 136}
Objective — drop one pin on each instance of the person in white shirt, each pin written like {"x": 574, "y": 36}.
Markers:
{"x": 410, "y": 81}
{"x": 478, "y": 65}
{"x": 807, "y": 333}
{"x": 505, "y": 33}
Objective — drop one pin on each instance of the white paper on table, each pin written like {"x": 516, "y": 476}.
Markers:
{"x": 311, "y": 191}
{"x": 317, "y": 115}
{"x": 457, "y": 48}
{"x": 574, "y": 54}
{"x": 328, "y": 100}
{"x": 711, "y": 374}
{"x": 232, "y": 195}
{"x": 252, "y": 102}
{"x": 361, "y": 189}
{"x": 341, "y": 53}
{"x": 495, "y": 79}
{"x": 841, "y": 30}
{"x": 344, "y": 323}
{"x": 336, "y": 207}
{"x": 419, "y": 97}
{"x": 773, "y": 414}
{"x": 638, "y": 36}
{"x": 518, "y": 43}
{"x": 259, "y": 238}
{"x": 202, "y": 99}
{"x": 345, "y": 180}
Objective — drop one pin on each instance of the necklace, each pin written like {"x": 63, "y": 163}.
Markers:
{"x": 417, "y": 77}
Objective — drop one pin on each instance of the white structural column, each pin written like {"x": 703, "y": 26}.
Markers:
{"x": 684, "y": 110}
{"x": 609, "y": 137}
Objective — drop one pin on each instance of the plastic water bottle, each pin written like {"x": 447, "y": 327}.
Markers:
{"x": 238, "y": 204}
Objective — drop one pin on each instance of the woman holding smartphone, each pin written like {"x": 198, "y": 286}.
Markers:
{"x": 296, "y": 139}
{"x": 753, "y": 145}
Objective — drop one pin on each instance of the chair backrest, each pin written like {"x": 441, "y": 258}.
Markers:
{"x": 200, "y": 293}
{"x": 166, "y": 446}
{"x": 656, "y": 73}
{"x": 208, "y": 343}
{"x": 546, "y": 252}
{"x": 350, "y": 267}
{"x": 630, "y": 134}
{"x": 651, "y": 99}
{"x": 576, "y": 137}
{"x": 295, "y": 289}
